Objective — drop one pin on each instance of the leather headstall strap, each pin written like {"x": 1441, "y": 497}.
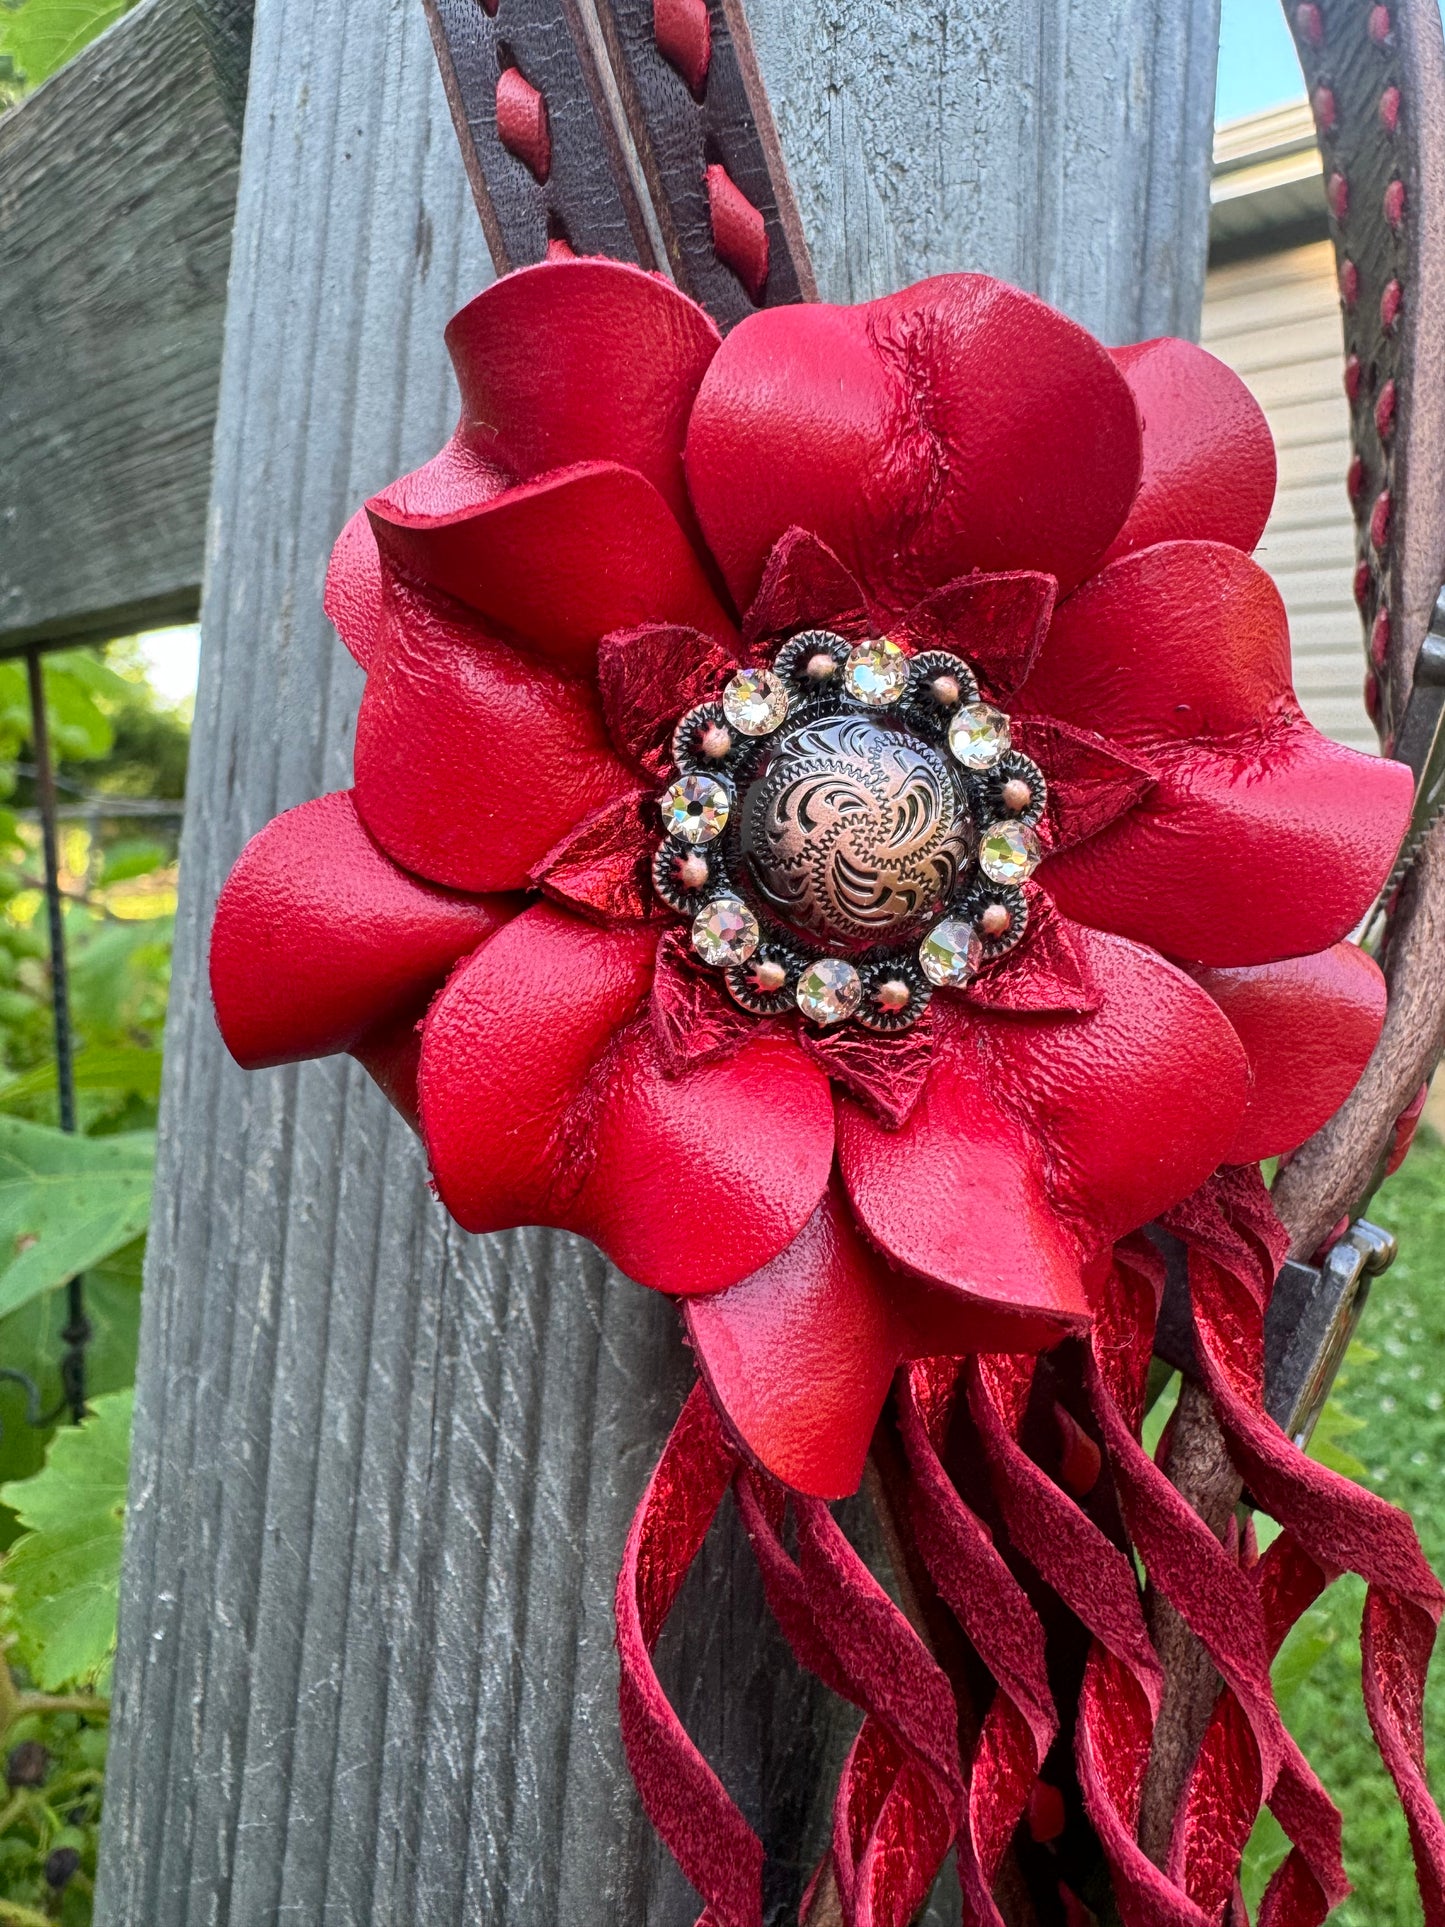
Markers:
{"x": 704, "y": 134}
{"x": 1376, "y": 79}
{"x": 638, "y": 129}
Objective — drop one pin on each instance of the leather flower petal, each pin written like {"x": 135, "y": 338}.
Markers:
{"x": 390, "y": 1053}
{"x": 648, "y": 677}
{"x": 1209, "y": 465}
{"x": 805, "y": 586}
{"x": 319, "y": 937}
{"x": 559, "y": 561}
{"x": 354, "y": 589}
{"x": 997, "y": 623}
{"x": 544, "y": 1101}
{"x": 1260, "y": 838}
{"x": 1041, "y": 1139}
{"x": 1091, "y": 781}
{"x": 957, "y": 425}
{"x": 1048, "y": 972}
{"x": 887, "y": 1075}
{"x": 602, "y": 869}
{"x": 799, "y": 1357}
{"x": 473, "y": 760}
{"x": 693, "y": 1018}
{"x": 582, "y": 361}
{"x": 1308, "y": 1026}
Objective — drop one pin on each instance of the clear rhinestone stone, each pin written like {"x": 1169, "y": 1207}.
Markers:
{"x": 979, "y": 735}
{"x": 1008, "y": 853}
{"x": 829, "y": 991}
{"x": 725, "y": 931}
{"x": 876, "y": 673}
{"x": 755, "y": 701}
{"x": 951, "y": 952}
{"x": 695, "y": 808}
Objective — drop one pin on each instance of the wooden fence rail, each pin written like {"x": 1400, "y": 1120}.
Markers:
{"x": 382, "y": 1471}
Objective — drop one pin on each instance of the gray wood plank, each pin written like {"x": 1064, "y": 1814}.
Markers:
{"x": 115, "y": 228}
{"x": 383, "y": 1471}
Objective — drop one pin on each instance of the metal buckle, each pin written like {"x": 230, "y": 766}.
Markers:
{"x": 1312, "y": 1316}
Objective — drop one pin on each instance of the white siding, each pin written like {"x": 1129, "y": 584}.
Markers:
{"x": 1276, "y": 320}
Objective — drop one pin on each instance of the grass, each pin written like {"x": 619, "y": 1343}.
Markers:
{"x": 1394, "y": 1391}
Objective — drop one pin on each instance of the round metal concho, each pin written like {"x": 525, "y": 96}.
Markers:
{"x": 851, "y": 832}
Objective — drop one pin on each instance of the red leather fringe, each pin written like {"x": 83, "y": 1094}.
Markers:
{"x": 908, "y": 1791}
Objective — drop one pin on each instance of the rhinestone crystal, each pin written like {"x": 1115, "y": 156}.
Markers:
{"x": 978, "y": 735}
{"x": 829, "y": 991}
{"x": 1008, "y": 853}
{"x": 876, "y": 673}
{"x": 725, "y": 931}
{"x": 951, "y": 952}
{"x": 695, "y": 808}
{"x": 755, "y": 702}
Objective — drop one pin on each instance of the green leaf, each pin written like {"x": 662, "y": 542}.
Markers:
{"x": 41, "y": 35}
{"x": 1301, "y": 1653}
{"x": 132, "y": 857}
{"x": 63, "y": 1575}
{"x": 101, "y": 1067}
{"x": 66, "y": 1203}
{"x": 31, "y": 1342}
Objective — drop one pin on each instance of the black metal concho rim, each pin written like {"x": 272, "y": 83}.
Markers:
{"x": 848, "y": 831}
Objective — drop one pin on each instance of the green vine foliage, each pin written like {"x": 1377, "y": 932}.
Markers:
{"x": 71, "y": 1204}
{"x": 38, "y": 36}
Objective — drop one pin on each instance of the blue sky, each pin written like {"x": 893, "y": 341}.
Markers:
{"x": 1257, "y": 64}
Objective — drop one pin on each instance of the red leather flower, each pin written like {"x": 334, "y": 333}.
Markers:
{"x": 721, "y": 699}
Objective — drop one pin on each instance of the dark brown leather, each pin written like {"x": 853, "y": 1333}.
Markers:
{"x": 1368, "y": 67}
{"x": 586, "y": 198}
{"x": 681, "y": 130}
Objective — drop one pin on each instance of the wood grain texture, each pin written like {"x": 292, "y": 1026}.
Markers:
{"x": 119, "y": 181}
{"x": 1063, "y": 145}
{"x": 383, "y": 1470}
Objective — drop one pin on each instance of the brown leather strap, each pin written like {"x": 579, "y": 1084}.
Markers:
{"x": 597, "y": 124}
{"x": 538, "y": 138}
{"x": 1376, "y": 76}
{"x": 699, "y": 115}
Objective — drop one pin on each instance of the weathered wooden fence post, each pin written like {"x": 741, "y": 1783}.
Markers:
{"x": 383, "y": 1471}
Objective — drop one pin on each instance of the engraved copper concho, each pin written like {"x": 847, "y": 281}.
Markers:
{"x": 848, "y": 830}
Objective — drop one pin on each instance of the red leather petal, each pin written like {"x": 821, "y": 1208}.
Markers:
{"x": 1209, "y": 465}
{"x": 584, "y": 360}
{"x": 1308, "y": 1026}
{"x": 1048, "y": 971}
{"x": 957, "y": 425}
{"x": 648, "y": 677}
{"x": 885, "y": 1074}
{"x": 1182, "y": 642}
{"x": 800, "y": 1356}
{"x": 559, "y": 561}
{"x": 601, "y": 869}
{"x": 1260, "y": 838}
{"x": 1091, "y": 781}
{"x": 805, "y": 586}
{"x": 544, "y": 1101}
{"x": 318, "y": 937}
{"x": 693, "y": 1018}
{"x": 354, "y": 589}
{"x": 390, "y": 1052}
{"x": 1041, "y": 1139}
{"x": 473, "y": 760}
{"x": 996, "y": 623}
